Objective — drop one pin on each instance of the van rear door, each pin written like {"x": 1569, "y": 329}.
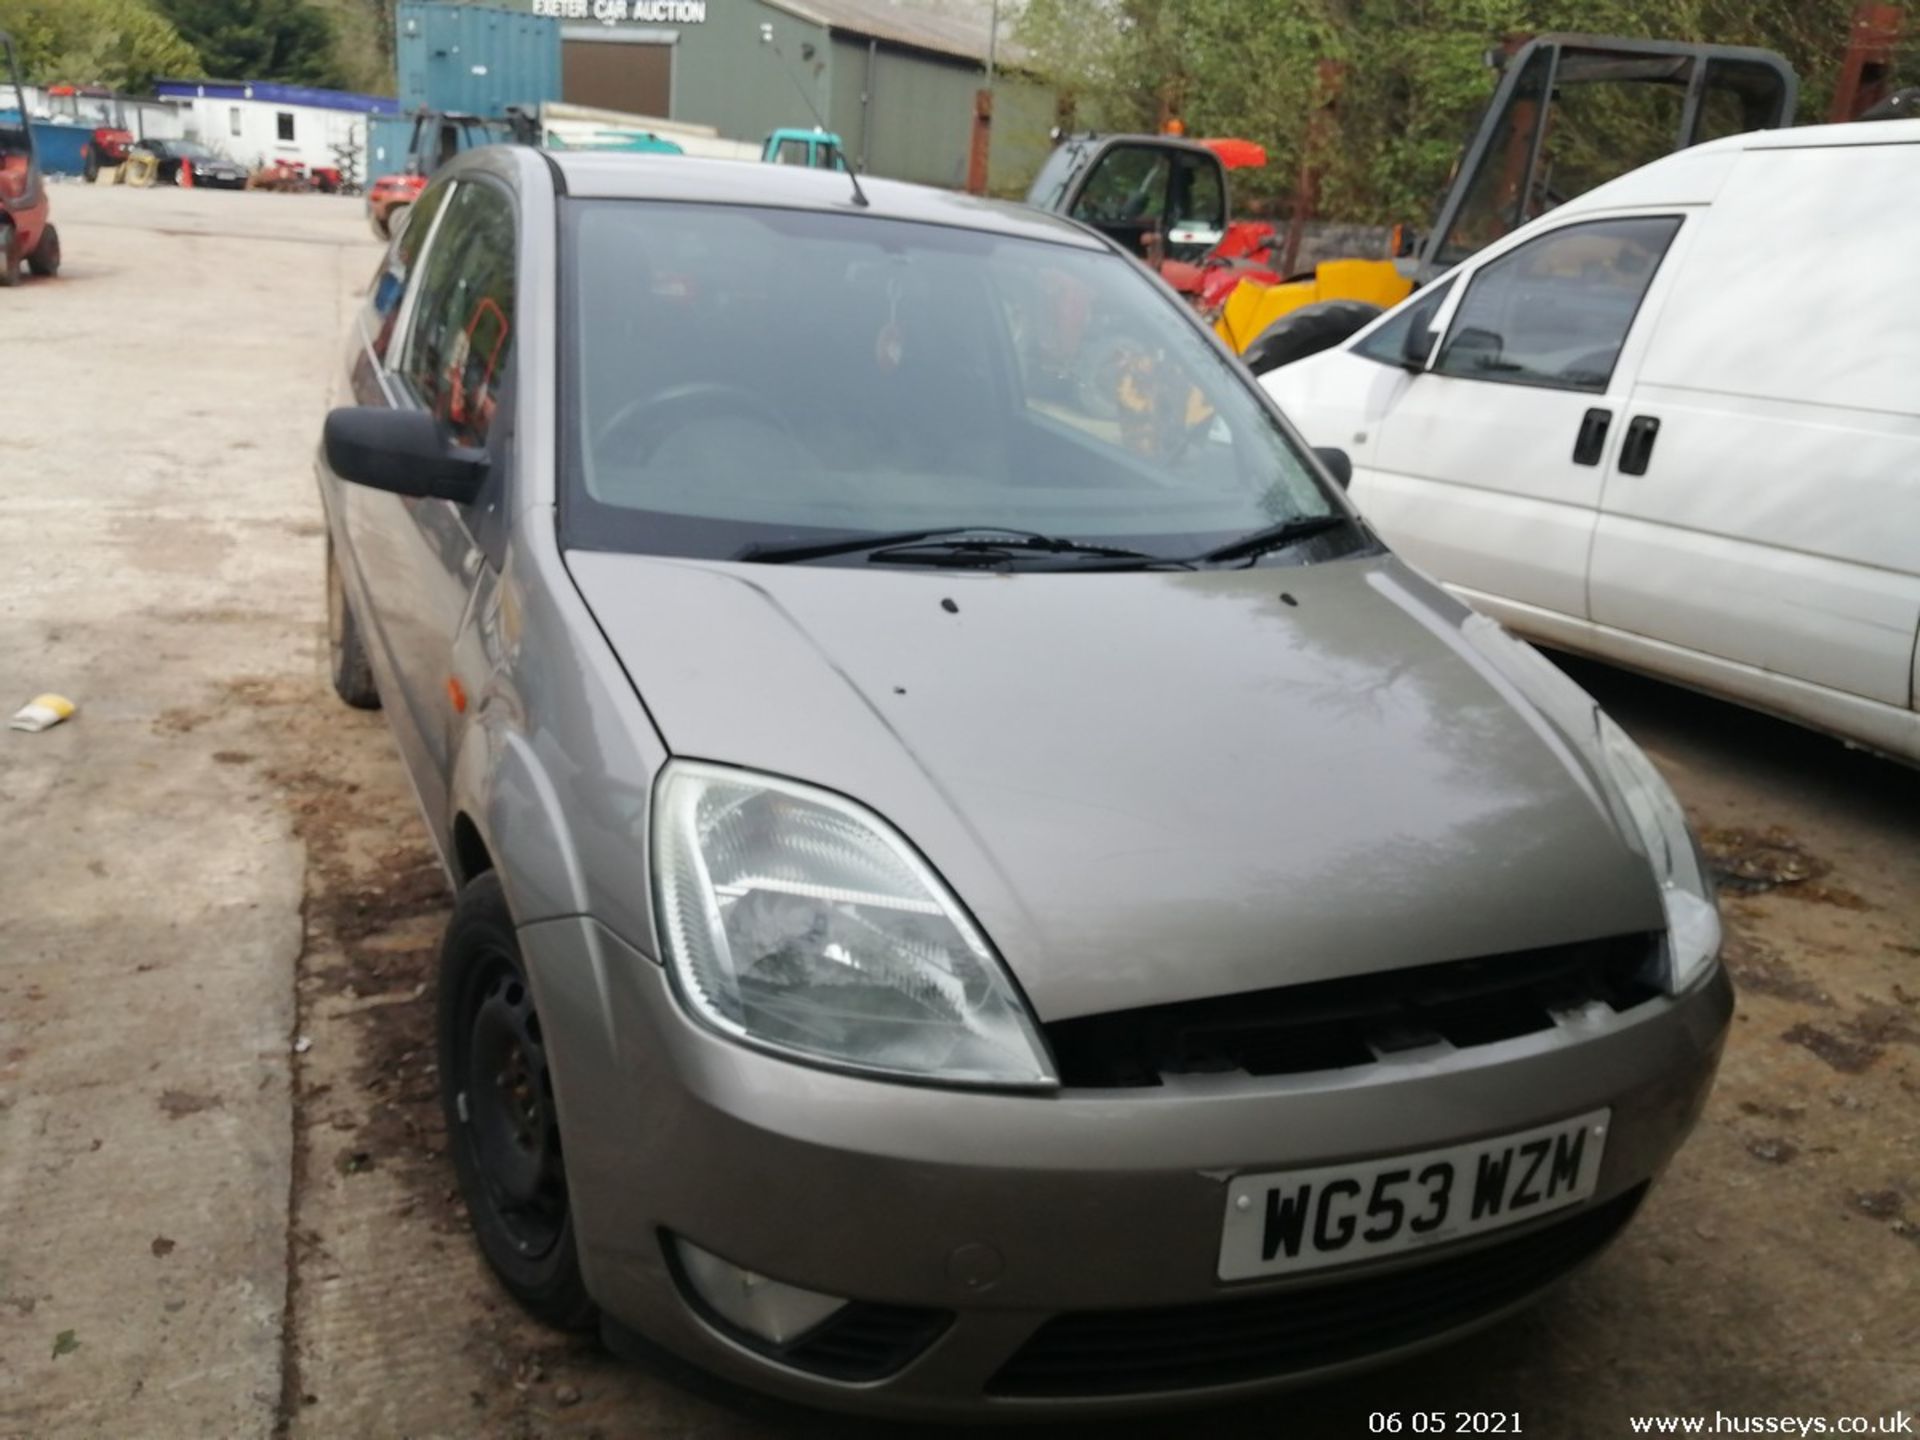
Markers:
{"x": 1762, "y": 510}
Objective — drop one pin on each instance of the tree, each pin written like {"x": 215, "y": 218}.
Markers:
{"x": 286, "y": 40}
{"x": 1413, "y": 76}
{"x": 121, "y": 43}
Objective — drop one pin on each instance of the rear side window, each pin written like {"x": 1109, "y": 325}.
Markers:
{"x": 1556, "y": 311}
{"x": 390, "y": 285}
{"x": 462, "y": 328}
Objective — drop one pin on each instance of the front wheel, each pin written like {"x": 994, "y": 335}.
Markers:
{"x": 503, "y": 1129}
{"x": 45, "y": 259}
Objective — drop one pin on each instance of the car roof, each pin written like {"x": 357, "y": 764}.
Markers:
{"x": 602, "y": 175}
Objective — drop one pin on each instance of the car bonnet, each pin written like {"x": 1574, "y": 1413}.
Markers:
{"x": 1151, "y": 786}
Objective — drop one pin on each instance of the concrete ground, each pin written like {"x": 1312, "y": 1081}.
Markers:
{"x": 209, "y": 1228}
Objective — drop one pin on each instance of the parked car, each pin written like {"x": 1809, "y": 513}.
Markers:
{"x": 206, "y": 166}
{"x": 982, "y": 886}
{"x": 1674, "y": 424}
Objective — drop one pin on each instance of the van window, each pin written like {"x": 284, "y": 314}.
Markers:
{"x": 1556, "y": 310}
{"x": 1388, "y": 343}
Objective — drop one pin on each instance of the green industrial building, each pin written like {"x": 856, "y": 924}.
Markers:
{"x": 897, "y": 79}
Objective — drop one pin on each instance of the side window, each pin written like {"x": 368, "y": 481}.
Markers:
{"x": 791, "y": 152}
{"x": 1388, "y": 344}
{"x": 1128, "y": 183}
{"x": 1556, "y": 311}
{"x": 284, "y": 120}
{"x": 390, "y": 285}
{"x": 462, "y": 329}
{"x": 233, "y": 119}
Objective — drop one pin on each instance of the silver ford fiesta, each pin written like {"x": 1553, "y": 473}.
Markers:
{"x": 982, "y": 886}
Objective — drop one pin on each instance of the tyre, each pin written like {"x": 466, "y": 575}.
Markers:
{"x": 45, "y": 259}
{"x": 1306, "y": 331}
{"x": 92, "y": 167}
{"x": 352, "y": 672}
{"x": 502, "y": 1128}
{"x": 9, "y": 256}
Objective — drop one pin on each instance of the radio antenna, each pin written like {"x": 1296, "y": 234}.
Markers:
{"x": 819, "y": 124}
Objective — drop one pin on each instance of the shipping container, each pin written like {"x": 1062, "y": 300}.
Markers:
{"x": 478, "y": 59}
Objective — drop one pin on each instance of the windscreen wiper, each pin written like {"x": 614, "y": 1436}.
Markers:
{"x": 1259, "y": 542}
{"x": 987, "y": 542}
{"x": 978, "y": 551}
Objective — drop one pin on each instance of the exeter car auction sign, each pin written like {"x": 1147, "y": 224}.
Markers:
{"x": 612, "y": 12}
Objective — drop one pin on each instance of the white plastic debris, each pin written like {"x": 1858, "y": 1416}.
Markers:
{"x": 42, "y": 712}
{"x": 303, "y": 1044}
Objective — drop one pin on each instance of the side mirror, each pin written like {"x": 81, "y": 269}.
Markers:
{"x": 402, "y": 451}
{"x": 1338, "y": 463}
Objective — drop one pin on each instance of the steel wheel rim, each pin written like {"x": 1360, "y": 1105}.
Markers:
{"x": 512, "y": 1131}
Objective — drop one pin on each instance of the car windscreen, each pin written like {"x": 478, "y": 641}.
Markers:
{"x": 735, "y": 376}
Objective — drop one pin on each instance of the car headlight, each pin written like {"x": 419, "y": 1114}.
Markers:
{"x": 1693, "y": 919}
{"x": 798, "y": 921}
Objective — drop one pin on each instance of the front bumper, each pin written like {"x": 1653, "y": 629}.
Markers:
{"x": 1006, "y": 1212}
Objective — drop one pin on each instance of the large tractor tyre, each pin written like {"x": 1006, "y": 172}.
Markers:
{"x": 45, "y": 259}
{"x": 9, "y": 255}
{"x": 347, "y": 653}
{"x": 1306, "y": 331}
{"x": 502, "y": 1128}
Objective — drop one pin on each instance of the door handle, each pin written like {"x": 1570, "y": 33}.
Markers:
{"x": 1637, "y": 448}
{"x": 1592, "y": 438}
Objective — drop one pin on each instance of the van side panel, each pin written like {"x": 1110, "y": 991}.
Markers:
{"x": 1777, "y": 524}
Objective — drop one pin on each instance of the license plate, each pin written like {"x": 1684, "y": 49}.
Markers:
{"x": 1292, "y": 1220}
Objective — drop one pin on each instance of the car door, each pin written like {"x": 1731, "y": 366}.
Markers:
{"x": 1486, "y": 467}
{"x": 429, "y": 566}
{"x": 1766, "y": 515}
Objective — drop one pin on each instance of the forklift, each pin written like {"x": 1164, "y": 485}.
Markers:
{"x": 27, "y": 236}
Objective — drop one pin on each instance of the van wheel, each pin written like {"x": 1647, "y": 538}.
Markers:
{"x": 9, "y": 255}
{"x": 45, "y": 259}
{"x": 502, "y": 1127}
{"x": 352, "y": 671}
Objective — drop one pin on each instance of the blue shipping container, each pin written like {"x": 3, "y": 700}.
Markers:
{"x": 474, "y": 58}
{"x": 57, "y": 149}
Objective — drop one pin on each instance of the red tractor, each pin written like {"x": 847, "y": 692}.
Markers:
{"x": 1164, "y": 198}
{"x": 26, "y": 235}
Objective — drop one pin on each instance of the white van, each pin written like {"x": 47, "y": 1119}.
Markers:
{"x": 1674, "y": 423}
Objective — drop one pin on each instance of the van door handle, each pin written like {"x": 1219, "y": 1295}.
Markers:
{"x": 1637, "y": 448}
{"x": 1592, "y": 438}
